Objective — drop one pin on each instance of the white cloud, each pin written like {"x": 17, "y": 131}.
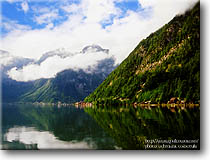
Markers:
{"x": 11, "y": 1}
{"x": 50, "y": 26}
{"x": 13, "y": 26}
{"x": 51, "y": 66}
{"x": 83, "y": 26}
{"x": 24, "y": 6}
{"x": 97, "y": 11}
{"x": 44, "y": 139}
{"x": 5, "y": 58}
{"x": 72, "y": 8}
{"x": 148, "y": 3}
{"x": 40, "y": 10}
{"x": 46, "y": 17}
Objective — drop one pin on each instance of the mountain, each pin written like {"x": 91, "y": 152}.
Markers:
{"x": 68, "y": 86}
{"x": 164, "y": 65}
{"x": 94, "y": 48}
{"x": 61, "y": 52}
{"x": 8, "y": 61}
{"x": 11, "y": 89}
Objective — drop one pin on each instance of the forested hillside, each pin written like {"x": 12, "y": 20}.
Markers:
{"x": 67, "y": 87}
{"x": 164, "y": 65}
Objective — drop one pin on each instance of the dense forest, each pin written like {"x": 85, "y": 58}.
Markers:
{"x": 164, "y": 65}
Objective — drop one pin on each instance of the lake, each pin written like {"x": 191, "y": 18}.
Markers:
{"x": 28, "y": 126}
{"x": 51, "y": 127}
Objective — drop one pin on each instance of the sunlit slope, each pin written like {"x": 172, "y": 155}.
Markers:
{"x": 166, "y": 64}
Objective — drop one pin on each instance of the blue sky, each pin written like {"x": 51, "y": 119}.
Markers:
{"x": 14, "y": 11}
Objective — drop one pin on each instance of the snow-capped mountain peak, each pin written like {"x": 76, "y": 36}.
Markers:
{"x": 61, "y": 52}
{"x": 94, "y": 48}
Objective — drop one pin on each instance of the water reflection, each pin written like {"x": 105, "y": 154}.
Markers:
{"x": 43, "y": 140}
{"x": 50, "y": 127}
{"x": 150, "y": 128}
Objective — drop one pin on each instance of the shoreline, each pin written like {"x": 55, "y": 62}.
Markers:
{"x": 145, "y": 105}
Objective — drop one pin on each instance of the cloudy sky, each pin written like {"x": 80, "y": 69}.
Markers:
{"x": 31, "y": 28}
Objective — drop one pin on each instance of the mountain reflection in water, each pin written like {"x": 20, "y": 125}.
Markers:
{"x": 150, "y": 128}
{"x": 27, "y": 126}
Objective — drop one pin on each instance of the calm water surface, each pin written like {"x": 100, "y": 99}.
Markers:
{"x": 150, "y": 127}
{"x": 52, "y": 127}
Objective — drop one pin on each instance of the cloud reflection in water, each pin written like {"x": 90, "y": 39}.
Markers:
{"x": 44, "y": 140}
